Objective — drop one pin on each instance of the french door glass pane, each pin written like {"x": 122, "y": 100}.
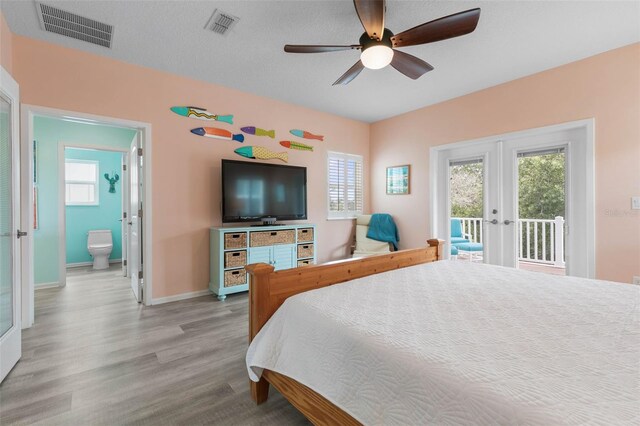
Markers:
{"x": 541, "y": 210}
{"x": 467, "y": 209}
{"x": 6, "y": 231}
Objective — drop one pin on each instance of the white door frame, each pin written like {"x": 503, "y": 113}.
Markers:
{"x": 62, "y": 211}
{"x": 586, "y": 125}
{"x": 11, "y": 340}
{"x": 28, "y": 112}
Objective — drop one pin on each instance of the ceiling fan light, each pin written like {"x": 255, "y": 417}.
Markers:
{"x": 376, "y": 57}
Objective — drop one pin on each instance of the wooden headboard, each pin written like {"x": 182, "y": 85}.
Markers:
{"x": 268, "y": 289}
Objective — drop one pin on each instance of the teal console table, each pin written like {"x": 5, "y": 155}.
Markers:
{"x": 284, "y": 247}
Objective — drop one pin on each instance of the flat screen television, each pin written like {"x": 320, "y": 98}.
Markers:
{"x": 263, "y": 192}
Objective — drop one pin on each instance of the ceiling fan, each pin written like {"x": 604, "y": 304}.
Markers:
{"x": 378, "y": 44}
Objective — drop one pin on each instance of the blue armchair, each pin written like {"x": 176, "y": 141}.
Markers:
{"x": 457, "y": 237}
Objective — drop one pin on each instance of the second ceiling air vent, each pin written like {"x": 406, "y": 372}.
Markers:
{"x": 221, "y": 22}
{"x": 69, "y": 24}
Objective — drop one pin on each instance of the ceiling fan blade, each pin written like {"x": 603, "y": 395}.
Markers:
{"x": 371, "y": 14}
{"x": 409, "y": 65}
{"x": 440, "y": 29}
{"x": 309, "y": 48}
{"x": 350, "y": 74}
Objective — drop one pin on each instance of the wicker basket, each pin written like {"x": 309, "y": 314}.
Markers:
{"x": 305, "y": 235}
{"x": 235, "y": 240}
{"x": 234, "y": 259}
{"x": 235, "y": 277}
{"x": 305, "y": 250}
{"x": 269, "y": 238}
{"x": 305, "y": 262}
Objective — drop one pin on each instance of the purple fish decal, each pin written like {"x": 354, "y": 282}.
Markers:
{"x": 259, "y": 132}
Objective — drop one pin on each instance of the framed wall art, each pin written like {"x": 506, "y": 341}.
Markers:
{"x": 398, "y": 180}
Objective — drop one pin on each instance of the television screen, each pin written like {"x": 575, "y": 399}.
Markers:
{"x": 252, "y": 191}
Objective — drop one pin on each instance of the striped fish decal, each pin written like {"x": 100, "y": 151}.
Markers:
{"x": 296, "y": 145}
{"x": 201, "y": 114}
{"x": 306, "y": 135}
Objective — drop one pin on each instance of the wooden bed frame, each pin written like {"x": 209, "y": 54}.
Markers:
{"x": 269, "y": 289}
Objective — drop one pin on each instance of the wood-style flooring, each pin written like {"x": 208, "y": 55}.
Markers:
{"x": 95, "y": 356}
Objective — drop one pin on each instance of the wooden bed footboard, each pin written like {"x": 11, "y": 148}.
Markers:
{"x": 269, "y": 289}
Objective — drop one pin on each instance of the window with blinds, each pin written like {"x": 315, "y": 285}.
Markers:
{"x": 81, "y": 182}
{"x": 345, "y": 185}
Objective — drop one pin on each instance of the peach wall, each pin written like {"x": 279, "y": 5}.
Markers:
{"x": 6, "y": 45}
{"x": 186, "y": 167}
{"x": 605, "y": 87}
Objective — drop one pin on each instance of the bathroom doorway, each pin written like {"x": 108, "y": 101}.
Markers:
{"x": 94, "y": 208}
{"x": 80, "y": 205}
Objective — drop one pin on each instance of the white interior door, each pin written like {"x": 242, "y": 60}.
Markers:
{"x": 134, "y": 253}
{"x": 10, "y": 326}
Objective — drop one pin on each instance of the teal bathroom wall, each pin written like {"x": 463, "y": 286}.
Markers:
{"x": 81, "y": 219}
{"x": 49, "y": 133}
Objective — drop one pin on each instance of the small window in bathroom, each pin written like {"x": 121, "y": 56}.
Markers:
{"x": 81, "y": 182}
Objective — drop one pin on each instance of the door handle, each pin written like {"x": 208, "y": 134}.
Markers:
{"x": 508, "y": 222}
{"x": 129, "y": 223}
{"x": 21, "y": 234}
{"x": 493, "y": 221}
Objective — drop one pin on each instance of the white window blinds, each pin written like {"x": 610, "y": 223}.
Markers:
{"x": 345, "y": 185}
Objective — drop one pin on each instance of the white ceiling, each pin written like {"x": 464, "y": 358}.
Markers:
{"x": 513, "y": 39}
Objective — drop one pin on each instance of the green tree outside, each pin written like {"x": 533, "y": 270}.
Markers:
{"x": 541, "y": 186}
{"x": 541, "y": 181}
{"x": 466, "y": 190}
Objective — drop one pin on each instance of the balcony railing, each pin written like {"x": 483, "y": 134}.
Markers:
{"x": 471, "y": 228}
{"x": 540, "y": 240}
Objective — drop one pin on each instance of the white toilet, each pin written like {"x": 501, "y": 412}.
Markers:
{"x": 100, "y": 244}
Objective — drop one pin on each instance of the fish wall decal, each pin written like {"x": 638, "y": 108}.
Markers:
{"x": 261, "y": 153}
{"x": 201, "y": 114}
{"x": 306, "y": 135}
{"x": 258, "y": 132}
{"x": 296, "y": 145}
{"x": 212, "y": 132}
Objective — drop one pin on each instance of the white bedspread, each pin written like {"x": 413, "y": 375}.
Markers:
{"x": 453, "y": 342}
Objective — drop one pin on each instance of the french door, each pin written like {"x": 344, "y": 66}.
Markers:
{"x": 10, "y": 325}
{"x": 492, "y": 180}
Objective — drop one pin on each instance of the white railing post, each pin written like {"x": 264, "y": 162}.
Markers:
{"x": 559, "y": 241}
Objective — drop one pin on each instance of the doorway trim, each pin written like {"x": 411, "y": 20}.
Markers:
{"x": 27, "y": 114}
{"x": 62, "y": 211}
{"x": 586, "y": 125}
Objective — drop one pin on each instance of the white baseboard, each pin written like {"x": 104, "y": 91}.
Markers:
{"x": 181, "y": 296}
{"x": 46, "y": 285}
{"x": 80, "y": 264}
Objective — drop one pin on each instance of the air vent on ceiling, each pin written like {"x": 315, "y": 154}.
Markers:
{"x": 75, "y": 26}
{"x": 221, "y": 22}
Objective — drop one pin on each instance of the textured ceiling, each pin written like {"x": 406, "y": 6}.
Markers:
{"x": 513, "y": 39}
